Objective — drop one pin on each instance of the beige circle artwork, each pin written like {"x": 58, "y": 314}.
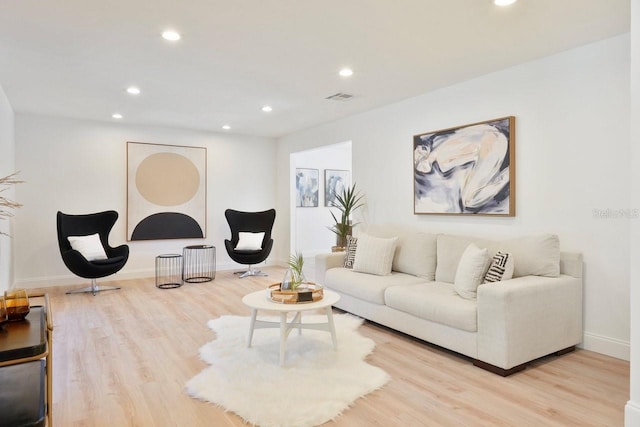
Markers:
{"x": 167, "y": 179}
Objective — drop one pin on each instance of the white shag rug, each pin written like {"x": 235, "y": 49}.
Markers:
{"x": 316, "y": 384}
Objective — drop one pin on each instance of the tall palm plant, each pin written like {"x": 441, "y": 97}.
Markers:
{"x": 347, "y": 202}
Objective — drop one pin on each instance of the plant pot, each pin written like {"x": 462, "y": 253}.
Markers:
{"x": 338, "y": 248}
{"x": 341, "y": 240}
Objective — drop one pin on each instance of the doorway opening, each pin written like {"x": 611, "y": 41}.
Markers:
{"x": 309, "y": 233}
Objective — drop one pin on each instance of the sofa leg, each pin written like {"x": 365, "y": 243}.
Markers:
{"x": 498, "y": 371}
{"x": 565, "y": 351}
{"x": 506, "y": 372}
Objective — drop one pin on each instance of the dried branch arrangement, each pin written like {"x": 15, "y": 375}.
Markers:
{"x": 7, "y": 205}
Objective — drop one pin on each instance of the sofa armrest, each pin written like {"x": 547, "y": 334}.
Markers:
{"x": 522, "y": 319}
{"x": 571, "y": 264}
{"x": 326, "y": 261}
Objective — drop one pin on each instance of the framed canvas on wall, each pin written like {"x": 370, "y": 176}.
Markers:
{"x": 166, "y": 191}
{"x": 307, "y": 188}
{"x": 466, "y": 170}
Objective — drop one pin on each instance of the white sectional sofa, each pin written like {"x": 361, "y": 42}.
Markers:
{"x": 505, "y": 325}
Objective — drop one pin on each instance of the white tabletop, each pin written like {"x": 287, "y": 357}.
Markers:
{"x": 260, "y": 300}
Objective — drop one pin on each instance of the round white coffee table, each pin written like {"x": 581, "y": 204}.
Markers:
{"x": 260, "y": 301}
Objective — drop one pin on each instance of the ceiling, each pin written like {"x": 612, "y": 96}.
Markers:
{"x": 74, "y": 58}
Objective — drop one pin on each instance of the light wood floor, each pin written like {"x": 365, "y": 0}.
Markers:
{"x": 122, "y": 358}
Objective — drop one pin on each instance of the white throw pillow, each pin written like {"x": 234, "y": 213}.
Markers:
{"x": 501, "y": 268}
{"x": 89, "y": 246}
{"x": 374, "y": 255}
{"x": 249, "y": 241}
{"x": 471, "y": 270}
{"x": 449, "y": 251}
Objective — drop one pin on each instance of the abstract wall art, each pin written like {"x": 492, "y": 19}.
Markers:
{"x": 307, "y": 186}
{"x": 166, "y": 191}
{"x": 466, "y": 170}
{"x": 335, "y": 182}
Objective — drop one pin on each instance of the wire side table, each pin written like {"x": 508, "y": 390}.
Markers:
{"x": 169, "y": 271}
{"x": 199, "y": 263}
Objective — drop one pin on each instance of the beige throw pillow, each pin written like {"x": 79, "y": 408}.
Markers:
{"x": 374, "y": 255}
{"x": 471, "y": 270}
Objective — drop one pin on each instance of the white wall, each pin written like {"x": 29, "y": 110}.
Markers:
{"x": 309, "y": 225}
{"x": 79, "y": 166}
{"x": 7, "y": 167}
{"x": 572, "y": 127}
{"x": 632, "y": 409}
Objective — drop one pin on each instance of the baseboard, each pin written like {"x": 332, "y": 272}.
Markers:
{"x": 71, "y": 279}
{"x": 141, "y": 273}
{"x": 605, "y": 345}
{"x": 632, "y": 414}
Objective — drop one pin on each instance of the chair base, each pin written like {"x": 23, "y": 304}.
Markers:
{"x": 94, "y": 288}
{"x": 250, "y": 272}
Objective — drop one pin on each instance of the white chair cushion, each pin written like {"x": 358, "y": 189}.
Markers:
{"x": 374, "y": 255}
{"x": 471, "y": 271}
{"x": 89, "y": 246}
{"x": 249, "y": 241}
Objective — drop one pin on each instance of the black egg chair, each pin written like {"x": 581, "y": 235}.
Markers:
{"x": 84, "y": 225}
{"x": 253, "y": 222}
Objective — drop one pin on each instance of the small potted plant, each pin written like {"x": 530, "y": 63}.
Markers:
{"x": 348, "y": 201}
{"x": 294, "y": 276}
{"x": 294, "y": 288}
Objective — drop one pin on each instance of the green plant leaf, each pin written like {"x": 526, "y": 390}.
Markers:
{"x": 348, "y": 201}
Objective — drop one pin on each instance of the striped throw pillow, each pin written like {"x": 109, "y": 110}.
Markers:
{"x": 501, "y": 268}
{"x": 350, "y": 256}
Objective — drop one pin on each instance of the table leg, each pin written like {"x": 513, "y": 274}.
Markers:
{"x": 252, "y": 325}
{"x": 298, "y": 319}
{"x": 283, "y": 336}
{"x": 332, "y": 327}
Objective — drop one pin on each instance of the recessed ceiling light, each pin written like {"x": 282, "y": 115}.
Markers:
{"x": 267, "y": 109}
{"x": 171, "y": 35}
{"x": 116, "y": 115}
{"x": 346, "y": 72}
{"x": 133, "y": 90}
{"x": 503, "y": 2}
{"x": 226, "y": 127}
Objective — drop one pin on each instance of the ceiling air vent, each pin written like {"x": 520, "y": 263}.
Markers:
{"x": 340, "y": 97}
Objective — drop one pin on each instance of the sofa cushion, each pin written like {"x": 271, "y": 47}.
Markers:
{"x": 367, "y": 287}
{"x": 450, "y": 249}
{"x": 434, "y": 301}
{"x": 415, "y": 250}
{"x": 534, "y": 255}
{"x": 471, "y": 269}
{"x": 374, "y": 255}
